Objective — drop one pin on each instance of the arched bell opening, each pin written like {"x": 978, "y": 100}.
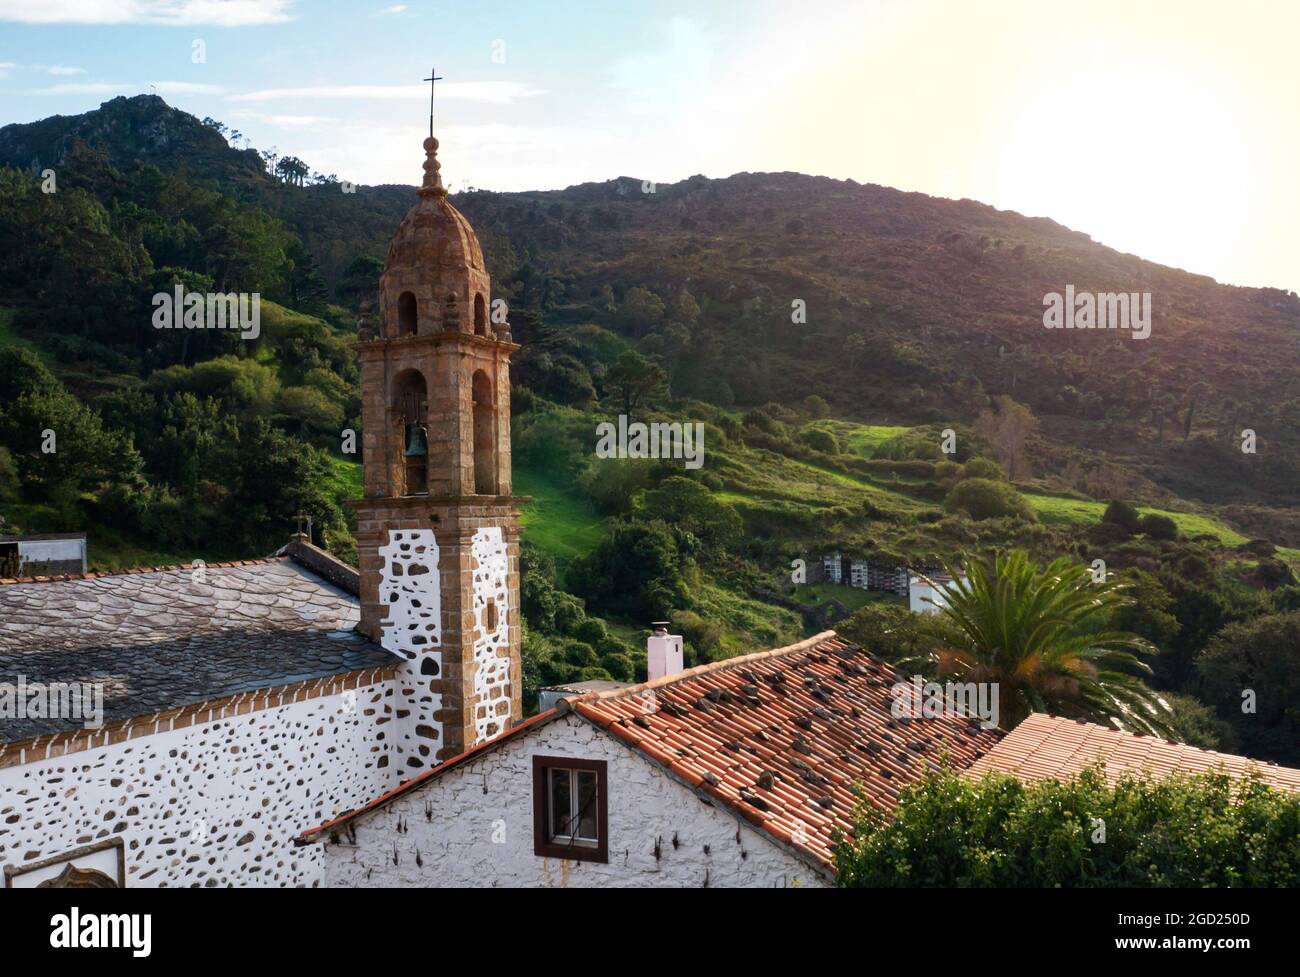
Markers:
{"x": 411, "y": 432}
{"x": 406, "y": 314}
{"x": 480, "y": 316}
{"x": 485, "y": 455}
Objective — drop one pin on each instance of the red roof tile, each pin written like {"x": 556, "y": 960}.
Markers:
{"x": 785, "y": 738}
{"x": 1048, "y": 746}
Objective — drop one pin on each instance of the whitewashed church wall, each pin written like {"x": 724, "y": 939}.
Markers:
{"x": 473, "y": 826}
{"x": 492, "y": 646}
{"x": 411, "y": 589}
{"x": 217, "y": 804}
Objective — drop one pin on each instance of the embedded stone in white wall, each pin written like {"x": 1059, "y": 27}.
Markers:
{"x": 492, "y": 634}
{"x": 217, "y": 804}
{"x": 410, "y": 588}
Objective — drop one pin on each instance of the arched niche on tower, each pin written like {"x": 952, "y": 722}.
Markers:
{"x": 409, "y": 433}
{"x": 480, "y": 315}
{"x": 407, "y": 314}
{"x": 450, "y": 313}
{"x": 485, "y": 435}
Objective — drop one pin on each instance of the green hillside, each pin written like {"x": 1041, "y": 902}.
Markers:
{"x": 918, "y": 413}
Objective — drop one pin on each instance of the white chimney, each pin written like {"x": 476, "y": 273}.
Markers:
{"x": 663, "y": 652}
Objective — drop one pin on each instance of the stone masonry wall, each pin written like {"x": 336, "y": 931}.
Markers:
{"x": 213, "y": 804}
{"x": 473, "y": 826}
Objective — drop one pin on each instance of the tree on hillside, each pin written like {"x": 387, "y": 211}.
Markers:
{"x": 639, "y": 570}
{"x": 1250, "y": 673}
{"x": 635, "y": 381}
{"x": 641, "y": 310}
{"x": 359, "y": 281}
{"x": 1006, "y": 428}
{"x": 292, "y": 170}
{"x": 1042, "y": 636}
{"x": 688, "y": 505}
{"x": 1199, "y": 393}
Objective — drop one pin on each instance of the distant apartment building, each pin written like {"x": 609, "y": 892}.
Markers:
{"x": 832, "y": 568}
{"x": 889, "y": 578}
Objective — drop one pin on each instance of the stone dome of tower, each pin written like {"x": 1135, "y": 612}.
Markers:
{"x": 433, "y": 278}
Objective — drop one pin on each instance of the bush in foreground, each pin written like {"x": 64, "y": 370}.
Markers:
{"x": 1203, "y": 831}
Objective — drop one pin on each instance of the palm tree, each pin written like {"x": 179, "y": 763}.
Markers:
{"x": 1040, "y": 634}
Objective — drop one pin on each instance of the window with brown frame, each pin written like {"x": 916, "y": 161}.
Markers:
{"x": 570, "y": 809}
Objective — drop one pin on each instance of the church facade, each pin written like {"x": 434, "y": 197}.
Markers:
{"x": 242, "y": 703}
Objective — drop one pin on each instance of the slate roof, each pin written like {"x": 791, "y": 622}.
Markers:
{"x": 1046, "y": 746}
{"x": 158, "y": 639}
{"x": 787, "y": 738}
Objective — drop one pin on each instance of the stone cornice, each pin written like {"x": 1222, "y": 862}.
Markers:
{"x": 375, "y": 347}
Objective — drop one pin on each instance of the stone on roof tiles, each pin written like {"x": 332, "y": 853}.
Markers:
{"x": 810, "y": 777}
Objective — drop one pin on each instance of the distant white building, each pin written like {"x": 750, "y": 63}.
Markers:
{"x": 47, "y": 555}
{"x": 927, "y": 595}
{"x": 832, "y": 568}
{"x": 858, "y": 574}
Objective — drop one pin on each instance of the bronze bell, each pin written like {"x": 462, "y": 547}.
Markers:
{"x": 416, "y": 441}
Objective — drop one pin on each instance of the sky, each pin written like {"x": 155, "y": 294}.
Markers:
{"x": 1164, "y": 129}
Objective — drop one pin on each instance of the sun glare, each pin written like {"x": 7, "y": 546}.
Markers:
{"x": 1142, "y": 158}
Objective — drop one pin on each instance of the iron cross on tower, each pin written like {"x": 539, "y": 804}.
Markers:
{"x": 433, "y": 79}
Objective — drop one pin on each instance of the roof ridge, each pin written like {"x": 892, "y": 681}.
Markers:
{"x": 1152, "y": 741}
{"x": 96, "y": 574}
{"x": 707, "y": 668}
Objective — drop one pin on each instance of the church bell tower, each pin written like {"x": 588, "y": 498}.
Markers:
{"x": 438, "y": 527}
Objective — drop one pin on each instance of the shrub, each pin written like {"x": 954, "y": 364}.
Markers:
{"x": 1000, "y": 832}
{"x": 580, "y": 653}
{"x": 947, "y": 471}
{"x": 815, "y": 406}
{"x": 820, "y": 440}
{"x": 704, "y": 636}
{"x": 982, "y": 468}
{"x": 1123, "y": 514}
{"x": 761, "y": 420}
{"x": 592, "y": 630}
{"x": 1157, "y": 526}
{"x": 1106, "y": 533}
{"x": 983, "y": 498}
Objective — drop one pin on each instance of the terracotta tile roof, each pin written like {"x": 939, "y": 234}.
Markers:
{"x": 541, "y": 719}
{"x": 1048, "y": 746}
{"x": 784, "y": 737}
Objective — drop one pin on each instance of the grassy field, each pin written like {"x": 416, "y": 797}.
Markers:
{"x": 858, "y": 439}
{"x": 747, "y": 624}
{"x": 345, "y": 480}
{"x": 1053, "y": 509}
{"x": 555, "y": 520}
{"x": 756, "y": 474}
